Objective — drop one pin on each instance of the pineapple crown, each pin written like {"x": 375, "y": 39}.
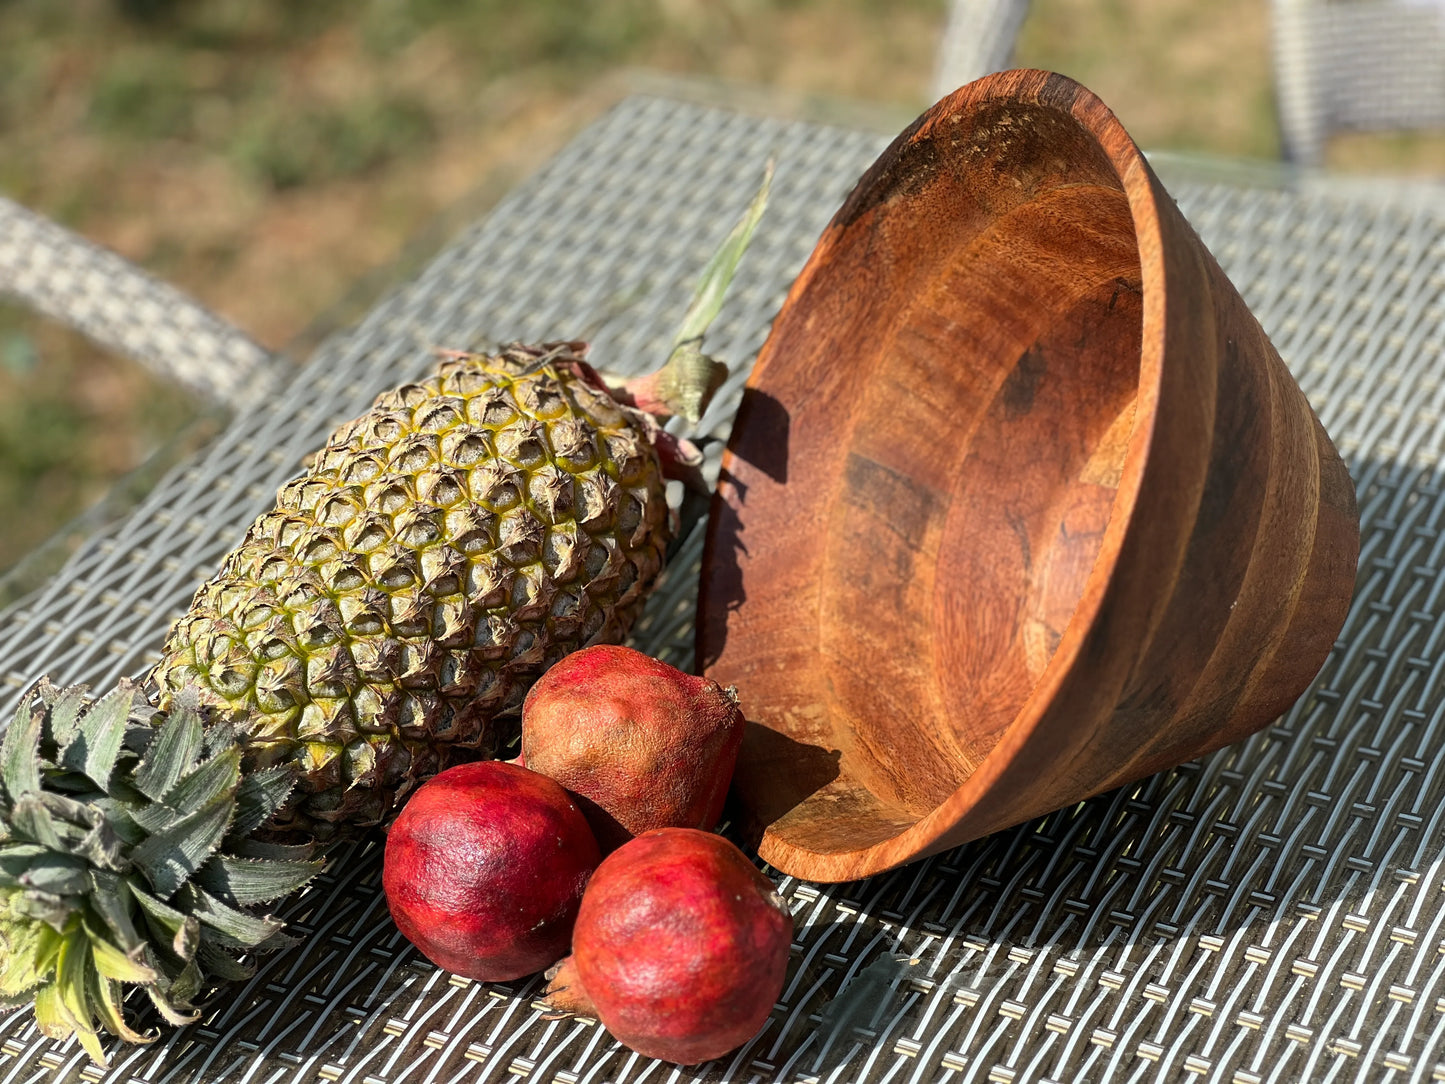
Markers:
{"x": 126, "y": 858}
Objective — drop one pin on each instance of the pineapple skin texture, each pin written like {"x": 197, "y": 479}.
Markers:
{"x": 436, "y": 557}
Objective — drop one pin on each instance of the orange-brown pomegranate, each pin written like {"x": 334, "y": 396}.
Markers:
{"x": 643, "y": 744}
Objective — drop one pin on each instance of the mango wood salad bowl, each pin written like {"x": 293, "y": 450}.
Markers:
{"x": 1020, "y": 505}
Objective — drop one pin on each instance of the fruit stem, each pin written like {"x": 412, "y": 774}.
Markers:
{"x": 564, "y": 994}
{"x": 687, "y": 382}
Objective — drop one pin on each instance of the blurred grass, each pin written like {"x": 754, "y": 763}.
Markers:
{"x": 265, "y": 154}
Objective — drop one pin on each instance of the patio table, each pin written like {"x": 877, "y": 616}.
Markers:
{"x": 1272, "y": 912}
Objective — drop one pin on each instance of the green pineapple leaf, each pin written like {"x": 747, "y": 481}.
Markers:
{"x": 72, "y": 966}
{"x": 215, "y": 778}
{"x": 217, "y": 961}
{"x": 172, "y": 1003}
{"x": 259, "y": 796}
{"x": 16, "y": 858}
{"x": 250, "y": 881}
{"x": 281, "y": 852}
{"x": 184, "y": 931}
{"x": 30, "y": 819}
{"x": 64, "y": 711}
{"x": 172, "y": 753}
{"x": 169, "y": 857}
{"x": 110, "y": 896}
{"x": 19, "y": 753}
{"x": 234, "y": 928}
{"x": 57, "y": 874}
{"x": 101, "y": 735}
{"x": 109, "y": 809}
{"x": 115, "y": 964}
{"x": 105, "y": 999}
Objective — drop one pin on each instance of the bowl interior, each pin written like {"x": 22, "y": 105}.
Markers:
{"x": 958, "y": 368}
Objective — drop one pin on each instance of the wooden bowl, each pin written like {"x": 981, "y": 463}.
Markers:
{"x": 1020, "y": 505}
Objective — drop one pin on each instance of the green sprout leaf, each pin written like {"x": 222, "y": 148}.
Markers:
{"x": 712, "y": 287}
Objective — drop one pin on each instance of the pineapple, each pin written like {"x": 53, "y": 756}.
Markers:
{"x": 436, "y": 556}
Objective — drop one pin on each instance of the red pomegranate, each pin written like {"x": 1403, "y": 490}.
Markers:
{"x": 680, "y": 949}
{"x": 484, "y": 870}
{"x": 642, "y": 743}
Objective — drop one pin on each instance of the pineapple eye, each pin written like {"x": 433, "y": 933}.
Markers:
{"x": 415, "y": 454}
{"x": 417, "y": 671}
{"x": 625, "y": 451}
{"x": 337, "y": 512}
{"x": 392, "y": 568}
{"x": 231, "y": 681}
{"x": 521, "y": 539}
{"x": 291, "y": 531}
{"x": 527, "y": 599}
{"x": 542, "y": 397}
{"x": 410, "y": 396}
{"x": 593, "y": 624}
{"x": 629, "y": 515}
{"x": 358, "y": 761}
{"x": 598, "y": 557}
{"x": 409, "y": 618}
{"x": 494, "y": 407}
{"x": 487, "y": 583}
{"x": 566, "y": 604}
{"x": 292, "y": 494}
{"x": 414, "y": 715}
{"x": 274, "y": 570}
{"x": 390, "y": 498}
{"x": 449, "y": 622}
{"x": 387, "y": 429}
{"x": 344, "y": 577}
{"x": 440, "y": 488}
{"x": 366, "y": 623}
{"x": 256, "y": 616}
{"x": 363, "y": 469}
{"x": 573, "y": 445}
{"x": 494, "y": 485}
{"x": 320, "y": 551}
{"x": 465, "y": 379}
{"x": 439, "y": 571}
{"x": 628, "y": 578}
{"x": 465, "y": 450}
{"x": 595, "y": 498}
{"x": 551, "y": 491}
{"x": 522, "y": 445}
{"x": 562, "y": 554}
{"x": 470, "y": 529}
{"x": 367, "y": 533}
{"x": 417, "y": 527}
{"x": 439, "y": 415}
{"x": 316, "y": 635}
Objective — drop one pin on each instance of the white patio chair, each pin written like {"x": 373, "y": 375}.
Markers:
{"x": 1361, "y": 65}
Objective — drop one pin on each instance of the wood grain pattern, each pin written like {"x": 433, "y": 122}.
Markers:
{"x": 1020, "y": 505}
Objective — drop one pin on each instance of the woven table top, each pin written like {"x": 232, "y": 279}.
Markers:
{"x": 1273, "y": 912}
